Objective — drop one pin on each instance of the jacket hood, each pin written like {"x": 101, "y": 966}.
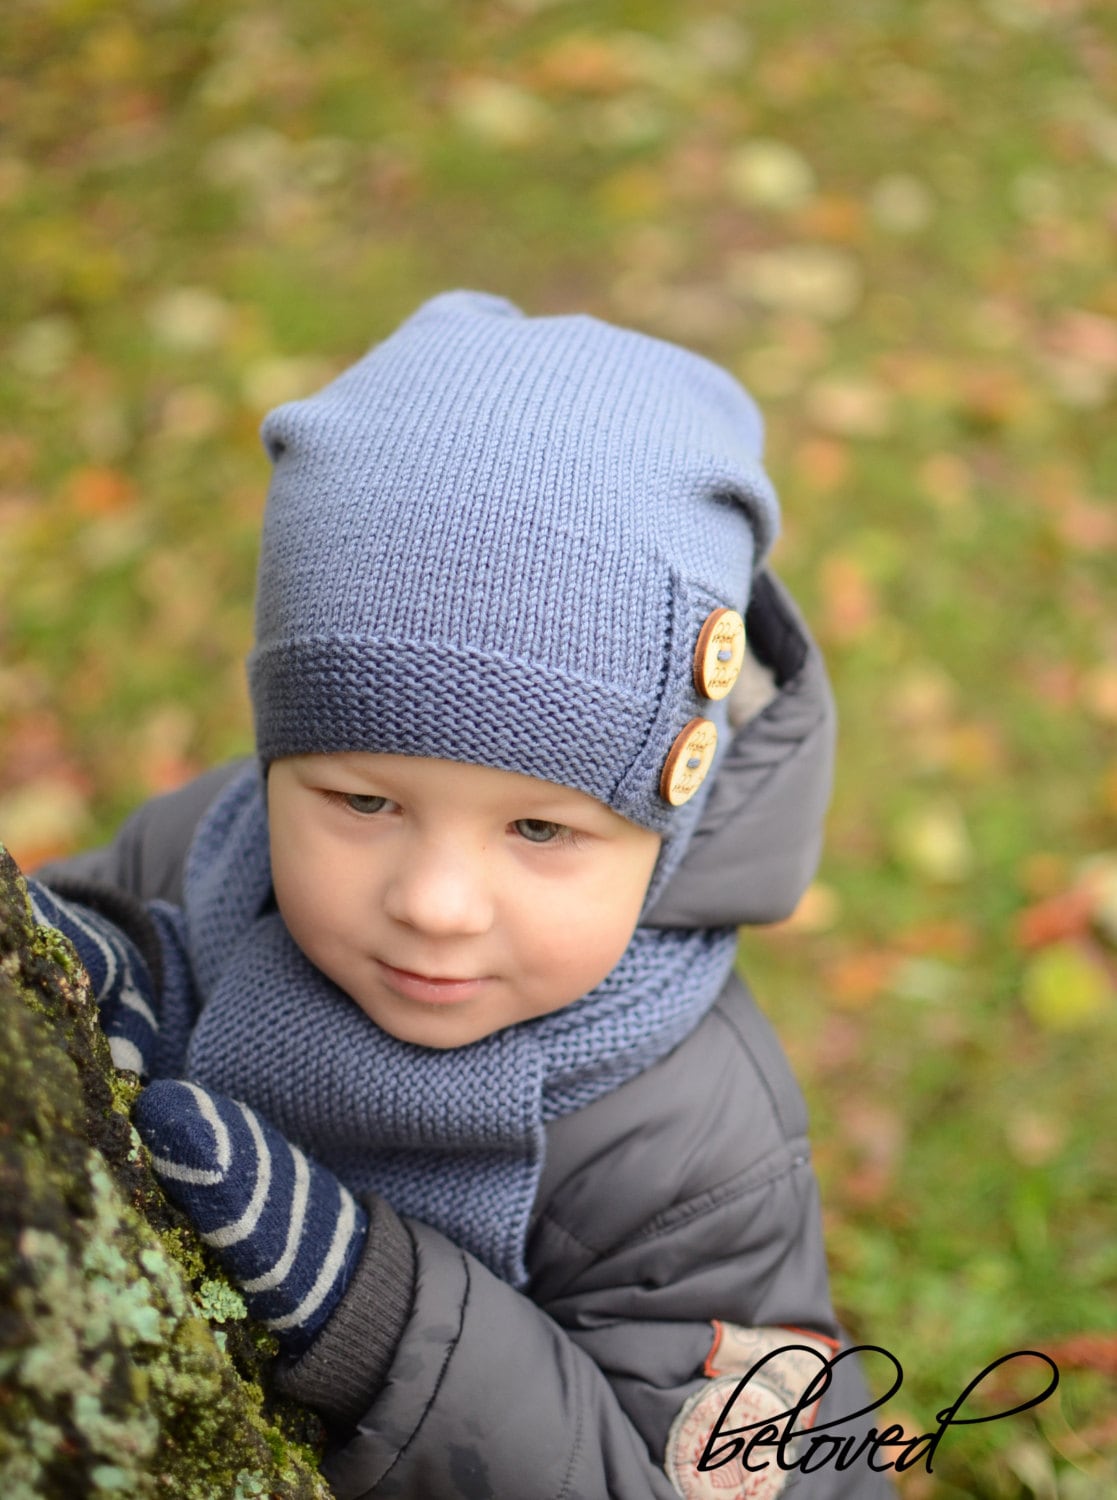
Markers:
{"x": 758, "y": 843}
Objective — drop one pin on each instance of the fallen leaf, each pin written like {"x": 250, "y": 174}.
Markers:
{"x": 192, "y": 412}
{"x": 850, "y": 407}
{"x": 1076, "y": 383}
{"x": 766, "y": 173}
{"x": 1098, "y": 688}
{"x": 996, "y": 396}
{"x": 974, "y": 752}
{"x": 1086, "y": 1351}
{"x": 1085, "y": 525}
{"x": 250, "y": 160}
{"x": 1067, "y": 987}
{"x": 1090, "y": 901}
{"x": 933, "y": 841}
{"x": 901, "y": 203}
{"x": 1055, "y": 919}
{"x": 497, "y": 112}
{"x": 923, "y": 697}
{"x": 97, "y": 490}
{"x": 190, "y": 319}
{"x": 1086, "y": 336}
{"x": 1034, "y": 1138}
{"x": 876, "y": 1135}
{"x": 817, "y": 280}
{"x": 581, "y": 62}
{"x": 855, "y": 979}
{"x": 849, "y": 600}
{"x": 925, "y": 979}
{"x": 838, "y": 218}
{"x": 946, "y": 937}
{"x": 823, "y": 463}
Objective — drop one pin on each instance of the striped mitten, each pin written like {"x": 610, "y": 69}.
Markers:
{"x": 285, "y": 1229}
{"x": 121, "y": 977}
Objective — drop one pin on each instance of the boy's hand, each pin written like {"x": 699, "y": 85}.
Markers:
{"x": 121, "y": 979}
{"x": 285, "y": 1229}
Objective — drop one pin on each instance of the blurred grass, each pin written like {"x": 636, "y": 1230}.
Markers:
{"x": 895, "y": 222}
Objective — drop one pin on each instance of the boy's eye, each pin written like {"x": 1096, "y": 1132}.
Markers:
{"x": 358, "y": 802}
{"x": 539, "y": 831}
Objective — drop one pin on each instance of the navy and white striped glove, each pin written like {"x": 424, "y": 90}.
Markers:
{"x": 285, "y": 1229}
{"x": 121, "y": 978}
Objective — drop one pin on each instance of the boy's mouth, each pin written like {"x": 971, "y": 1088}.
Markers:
{"x": 429, "y": 987}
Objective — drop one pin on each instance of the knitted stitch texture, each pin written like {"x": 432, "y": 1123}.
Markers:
{"x": 120, "y": 979}
{"x": 287, "y": 1232}
{"x": 454, "y": 1138}
{"x": 495, "y": 539}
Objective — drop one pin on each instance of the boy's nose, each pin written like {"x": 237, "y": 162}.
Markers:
{"x": 441, "y": 892}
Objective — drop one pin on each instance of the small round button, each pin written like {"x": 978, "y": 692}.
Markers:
{"x": 720, "y": 653}
{"x": 687, "y": 761}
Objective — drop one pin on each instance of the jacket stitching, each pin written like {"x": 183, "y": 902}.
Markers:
{"x": 433, "y": 1397}
{"x": 718, "y": 1197}
{"x": 788, "y": 1159}
{"x": 761, "y": 1072}
{"x": 576, "y": 1453}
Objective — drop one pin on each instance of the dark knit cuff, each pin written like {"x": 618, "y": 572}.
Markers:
{"x": 341, "y": 1374}
{"x": 122, "y": 910}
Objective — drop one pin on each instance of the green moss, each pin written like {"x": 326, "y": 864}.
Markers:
{"x": 220, "y": 1302}
{"x": 112, "y": 1380}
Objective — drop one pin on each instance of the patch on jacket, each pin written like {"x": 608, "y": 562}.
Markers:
{"x": 716, "y": 1425}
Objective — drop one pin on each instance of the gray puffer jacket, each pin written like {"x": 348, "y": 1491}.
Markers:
{"x": 676, "y": 1236}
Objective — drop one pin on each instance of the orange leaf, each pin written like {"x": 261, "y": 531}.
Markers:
{"x": 1055, "y": 919}
{"x": 99, "y": 491}
{"x": 1086, "y": 1351}
{"x": 850, "y": 601}
{"x": 858, "y": 978}
{"x": 823, "y": 462}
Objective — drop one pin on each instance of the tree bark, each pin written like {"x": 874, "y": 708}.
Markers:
{"x": 127, "y": 1364}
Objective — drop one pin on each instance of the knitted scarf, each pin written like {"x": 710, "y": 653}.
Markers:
{"x": 452, "y": 1137}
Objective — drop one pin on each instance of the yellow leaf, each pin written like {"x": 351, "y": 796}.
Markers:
{"x": 933, "y": 841}
{"x": 496, "y": 112}
{"x": 769, "y": 174}
{"x": 1066, "y": 988}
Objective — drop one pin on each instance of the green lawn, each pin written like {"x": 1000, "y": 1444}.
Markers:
{"x": 895, "y": 221}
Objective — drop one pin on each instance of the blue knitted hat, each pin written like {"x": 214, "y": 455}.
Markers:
{"x": 497, "y": 539}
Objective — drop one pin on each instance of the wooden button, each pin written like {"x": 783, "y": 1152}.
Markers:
{"x": 720, "y": 653}
{"x": 687, "y": 761}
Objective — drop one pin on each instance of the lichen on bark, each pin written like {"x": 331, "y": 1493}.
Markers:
{"x": 127, "y": 1365}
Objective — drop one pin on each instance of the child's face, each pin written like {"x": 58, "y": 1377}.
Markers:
{"x": 524, "y": 892}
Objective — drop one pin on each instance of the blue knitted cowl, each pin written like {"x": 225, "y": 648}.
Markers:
{"x": 454, "y": 1138}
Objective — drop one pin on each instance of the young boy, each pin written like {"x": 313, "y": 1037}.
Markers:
{"x": 518, "y": 1172}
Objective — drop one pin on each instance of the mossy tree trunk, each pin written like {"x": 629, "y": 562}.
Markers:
{"x": 127, "y": 1366}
